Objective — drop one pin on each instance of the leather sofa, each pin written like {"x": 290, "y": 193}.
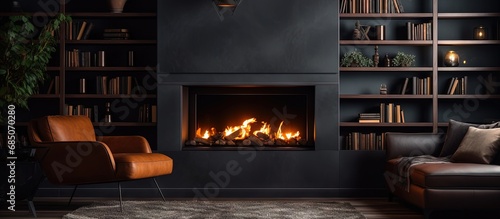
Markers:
{"x": 440, "y": 186}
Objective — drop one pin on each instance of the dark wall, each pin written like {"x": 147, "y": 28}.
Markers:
{"x": 264, "y": 36}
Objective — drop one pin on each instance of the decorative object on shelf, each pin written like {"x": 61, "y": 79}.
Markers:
{"x": 403, "y": 60}
{"x": 376, "y": 57}
{"x": 387, "y": 61}
{"x": 360, "y": 32}
{"x": 116, "y": 6}
{"x": 24, "y": 58}
{"x": 451, "y": 59}
{"x": 225, "y": 6}
{"x": 107, "y": 115}
{"x": 383, "y": 89}
{"x": 380, "y": 32}
{"x": 355, "y": 59}
{"x": 480, "y": 33}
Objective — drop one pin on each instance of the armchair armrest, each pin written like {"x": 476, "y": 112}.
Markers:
{"x": 413, "y": 144}
{"x": 126, "y": 144}
{"x": 69, "y": 163}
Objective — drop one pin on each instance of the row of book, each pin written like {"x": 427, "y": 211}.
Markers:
{"x": 371, "y": 6}
{"x": 457, "y": 85}
{"x": 116, "y": 34}
{"x": 77, "y": 58}
{"x": 422, "y": 31}
{"x": 78, "y": 30}
{"x": 389, "y": 113}
{"x": 419, "y": 86}
{"x": 115, "y": 85}
{"x": 365, "y": 141}
{"x": 147, "y": 112}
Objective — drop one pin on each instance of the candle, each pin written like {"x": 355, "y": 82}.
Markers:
{"x": 479, "y": 33}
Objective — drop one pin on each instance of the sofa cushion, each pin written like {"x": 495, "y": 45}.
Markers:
{"x": 456, "y": 175}
{"x": 478, "y": 146}
{"x": 456, "y": 132}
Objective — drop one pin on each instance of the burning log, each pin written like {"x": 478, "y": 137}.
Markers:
{"x": 263, "y": 136}
{"x": 292, "y": 141}
{"x": 230, "y": 143}
{"x": 247, "y": 142}
{"x": 269, "y": 142}
{"x": 202, "y": 141}
{"x": 233, "y": 135}
{"x": 220, "y": 142}
{"x": 280, "y": 142}
{"x": 302, "y": 142}
{"x": 255, "y": 140}
{"x": 190, "y": 142}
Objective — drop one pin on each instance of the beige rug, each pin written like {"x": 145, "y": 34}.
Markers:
{"x": 218, "y": 209}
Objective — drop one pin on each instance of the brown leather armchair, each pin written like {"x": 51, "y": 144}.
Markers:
{"x": 72, "y": 154}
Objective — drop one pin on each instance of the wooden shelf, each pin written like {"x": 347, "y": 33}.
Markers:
{"x": 471, "y": 69}
{"x": 467, "y": 15}
{"x": 151, "y": 124}
{"x": 388, "y": 69}
{"x": 110, "y": 15}
{"x": 388, "y": 96}
{"x": 387, "y": 42}
{"x": 111, "y": 68}
{"x": 407, "y": 124}
{"x": 45, "y": 96}
{"x": 107, "y": 96}
{"x": 469, "y": 96}
{"x": 385, "y": 15}
{"x": 467, "y": 42}
{"x": 111, "y": 42}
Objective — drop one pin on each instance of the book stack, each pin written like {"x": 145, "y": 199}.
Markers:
{"x": 365, "y": 141}
{"x": 457, "y": 85}
{"x": 420, "y": 86}
{"x": 77, "y": 58}
{"x": 421, "y": 31}
{"x": 115, "y": 85}
{"x": 54, "y": 86}
{"x": 369, "y": 118}
{"x": 78, "y": 110}
{"x": 78, "y": 30}
{"x": 116, "y": 34}
{"x": 147, "y": 113}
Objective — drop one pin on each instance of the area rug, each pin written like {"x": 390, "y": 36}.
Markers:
{"x": 218, "y": 209}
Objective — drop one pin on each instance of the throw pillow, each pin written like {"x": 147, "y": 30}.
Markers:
{"x": 478, "y": 146}
{"x": 456, "y": 132}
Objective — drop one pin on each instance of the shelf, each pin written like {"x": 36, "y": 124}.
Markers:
{"x": 385, "y": 15}
{"x": 407, "y": 124}
{"x": 152, "y": 124}
{"x": 467, "y": 15}
{"x": 469, "y": 96}
{"x": 388, "y": 96}
{"x": 467, "y": 42}
{"x": 110, "y": 15}
{"x": 471, "y": 69}
{"x": 111, "y": 68}
{"x": 380, "y": 69}
{"x": 111, "y": 42}
{"x": 387, "y": 42}
{"x": 53, "y": 68}
{"x": 107, "y": 96}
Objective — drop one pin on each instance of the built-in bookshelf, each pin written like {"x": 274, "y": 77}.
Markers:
{"x": 429, "y": 92}
{"x": 102, "y": 57}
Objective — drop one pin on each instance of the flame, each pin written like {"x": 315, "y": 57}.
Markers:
{"x": 205, "y": 136}
{"x": 245, "y": 129}
{"x": 286, "y": 136}
{"x": 266, "y": 129}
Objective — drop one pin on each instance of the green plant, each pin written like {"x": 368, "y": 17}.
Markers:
{"x": 355, "y": 59}
{"x": 26, "y": 51}
{"x": 403, "y": 60}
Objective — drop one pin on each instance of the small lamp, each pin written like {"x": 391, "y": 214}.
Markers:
{"x": 480, "y": 33}
{"x": 451, "y": 59}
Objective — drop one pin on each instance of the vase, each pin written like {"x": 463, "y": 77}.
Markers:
{"x": 116, "y": 6}
{"x": 451, "y": 59}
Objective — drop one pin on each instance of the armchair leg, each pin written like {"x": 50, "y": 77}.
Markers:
{"x": 72, "y": 194}
{"x": 159, "y": 190}
{"x": 120, "y": 192}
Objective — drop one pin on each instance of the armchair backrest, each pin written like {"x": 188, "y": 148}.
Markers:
{"x": 61, "y": 128}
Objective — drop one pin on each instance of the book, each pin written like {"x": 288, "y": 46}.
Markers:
{"x": 82, "y": 30}
{"x": 116, "y": 30}
{"x": 405, "y": 85}
{"x": 454, "y": 86}
{"x": 88, "y": 30}
{"x": 398, "y": 113}
{"x": 51, "y": 86}
{"x": 452, "y": 80}
{"x": 154, "y": 113}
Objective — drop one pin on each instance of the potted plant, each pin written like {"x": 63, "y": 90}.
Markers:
{"x": 355, "y": 59}
{"x": 403, "y": 60}
{"x": 26, "y": 52}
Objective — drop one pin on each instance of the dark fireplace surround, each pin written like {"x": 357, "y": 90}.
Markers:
{"x": 271, "y": 46}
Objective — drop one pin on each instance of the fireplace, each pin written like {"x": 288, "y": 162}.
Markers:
{"x": 229, "y": 117}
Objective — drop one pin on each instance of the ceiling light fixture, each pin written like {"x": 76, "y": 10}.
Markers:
{"x": 225, "y": 6}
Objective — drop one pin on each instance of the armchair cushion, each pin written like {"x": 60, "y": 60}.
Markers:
{"x": 141, "y": 165}
{"x": 56, "y": 128}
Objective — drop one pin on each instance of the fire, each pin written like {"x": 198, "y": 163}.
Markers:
{"x": 262, "y": 136}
